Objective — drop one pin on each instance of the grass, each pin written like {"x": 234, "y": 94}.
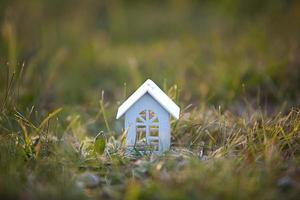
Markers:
{"x": 232, "y": 67}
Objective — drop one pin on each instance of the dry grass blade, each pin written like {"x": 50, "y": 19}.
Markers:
{"x": 45, "y": 121}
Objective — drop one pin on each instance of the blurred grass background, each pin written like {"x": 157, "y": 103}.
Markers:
{"x": 216, "y": 51}
{"x": 242, "y": 57}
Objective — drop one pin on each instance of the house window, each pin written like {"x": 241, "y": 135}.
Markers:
{"x": 147, "y": 130}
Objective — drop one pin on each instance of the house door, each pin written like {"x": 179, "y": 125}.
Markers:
{"x": 147, "y": 131}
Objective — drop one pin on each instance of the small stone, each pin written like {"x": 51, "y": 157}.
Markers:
{"x": 88, "y": 180}
{"x": 285, "y": 182}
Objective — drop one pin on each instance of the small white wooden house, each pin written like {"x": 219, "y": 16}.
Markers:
{"x": 147, "y": 118}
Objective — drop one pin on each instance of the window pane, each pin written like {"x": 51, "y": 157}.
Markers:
{"x": 154, "y": 144}
{"x": 155, "y": 120}
{"x": 143, "y": 114}
{"x": 140, "y": 120}
{"x": 154, "y": 131}
{"x": 147, "y": 123}
{"x": 152, "y": 114}
{"x": 140, "y": 136}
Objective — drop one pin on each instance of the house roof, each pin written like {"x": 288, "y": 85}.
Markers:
{"x": 151, "y": 88}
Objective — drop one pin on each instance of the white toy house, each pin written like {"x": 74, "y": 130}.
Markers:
{"x": 147, "y": 118}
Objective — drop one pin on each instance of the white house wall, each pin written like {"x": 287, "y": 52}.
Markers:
{"x": 147, "y": 102}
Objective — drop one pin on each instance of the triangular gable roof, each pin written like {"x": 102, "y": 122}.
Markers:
{"x": 150, "y": 87}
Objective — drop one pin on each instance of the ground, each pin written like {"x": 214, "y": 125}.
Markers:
{"x": 232, "y": 66}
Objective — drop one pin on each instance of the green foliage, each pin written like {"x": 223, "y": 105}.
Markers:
{"x": 100, "y": 143}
